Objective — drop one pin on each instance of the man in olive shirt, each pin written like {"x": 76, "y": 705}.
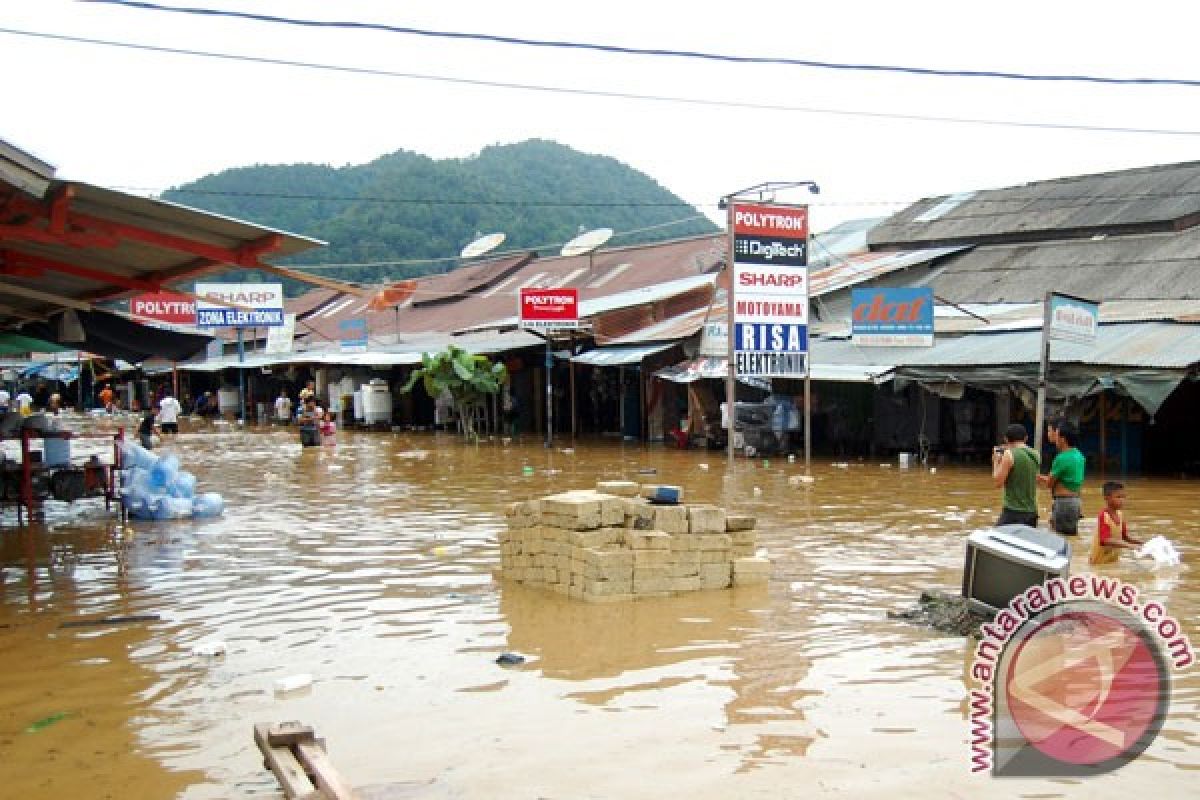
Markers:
{"x": 1015, "y": 467}
{"x": 1065, "y": 478}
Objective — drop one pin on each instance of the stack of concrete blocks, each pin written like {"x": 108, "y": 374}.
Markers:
{"x": 611, "y": 544}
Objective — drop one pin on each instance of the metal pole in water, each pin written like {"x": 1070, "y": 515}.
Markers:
{"x": 241, "y": 374}
{"x": 549, "y": 394}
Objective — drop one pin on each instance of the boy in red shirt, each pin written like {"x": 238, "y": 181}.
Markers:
{"x": 1112, "y": 532}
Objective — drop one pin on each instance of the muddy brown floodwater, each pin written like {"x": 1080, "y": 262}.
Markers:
{"x": 333, "y": 562}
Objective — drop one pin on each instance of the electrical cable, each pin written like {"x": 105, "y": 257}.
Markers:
{"x": 695, "y": 101}
{"x": 656, "y": 52}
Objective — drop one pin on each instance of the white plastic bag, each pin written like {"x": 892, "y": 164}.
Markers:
{"x": 1161, "y": 550}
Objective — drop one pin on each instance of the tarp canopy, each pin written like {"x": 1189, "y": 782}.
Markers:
{"x": 1145, "y": 361}
{"x": 620, "y": 356}
{"x": 114, "y": 336}
{"x": 12, "y": 344}
{"x": 52, "y": 371}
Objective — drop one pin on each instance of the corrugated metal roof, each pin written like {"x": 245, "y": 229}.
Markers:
{"x": 1161, "y": 345}
{"x": 599, "y": 276}
{"x": 85, "y": 244}
{"x": 867, "y": 266}
{"x": 1145, "y": 197}
{"x": 24, "y": 170}
{"x": 1142, "y": 267}
{"x": 619, "y": 356}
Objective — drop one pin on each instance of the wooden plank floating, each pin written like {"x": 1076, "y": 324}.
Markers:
{"x": 292, "y": 751}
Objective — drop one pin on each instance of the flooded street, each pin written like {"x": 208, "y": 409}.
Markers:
{"x": 335, "y": 562}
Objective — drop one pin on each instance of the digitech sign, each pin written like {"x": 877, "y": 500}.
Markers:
{"x": 770, "y": 296}
{"x": 239, "y": 305}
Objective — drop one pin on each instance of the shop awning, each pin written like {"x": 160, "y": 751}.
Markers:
{"x": 114, "y": 336}
{"x": 706, "y": 368}
{"x": 621, "y": 356}
{"x": 12, "y": 344}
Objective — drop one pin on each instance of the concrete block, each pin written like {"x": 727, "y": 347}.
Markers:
{"x": 522, "y": 515}
{"x": 597, "y": 538}
{"x": 684, "y": 541}
{"x": 751, "y": 579}
{"x": 607, "y": 587}
{"x": 752, "y": 565}
{"x": 608, "y": 557}
{"x": 671, "y": 519}
{"x": 645, "y": 586}
{"x": 685, "y": 570}
{"x": 715, "y": 576}
{"x": 714, "y": 541}
{"x": 652, "y": 558}
{"x": 638, "y": 513}
{"x": 742, "y": 551}
{"x": 618, "y": 488}
{"x": 687, "y": 583}
{"x": 647, "y": 540}
{"x": 714, "y": 556}
{"x": 706, "y": 519}
{"x": 739, "y": 522}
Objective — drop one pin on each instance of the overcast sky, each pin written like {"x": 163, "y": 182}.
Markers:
{"x": 146, "y": 121}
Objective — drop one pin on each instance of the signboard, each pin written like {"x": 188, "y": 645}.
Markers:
{"x": 280, "y": 338}
{"x": 714, "y": 339}
{"x": 1072, "y": 319}
{"x": 168, "y": 307}
{"x": 215, "y": 350}
{"x": 546, "y": 309}
{"x": 770, "y": 291}
{"x": 241, "y": 305}
{"x": 892, "y": 317}
{"x": 352, "y": 334}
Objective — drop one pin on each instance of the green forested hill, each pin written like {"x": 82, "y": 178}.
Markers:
{"x": 405, "y": 206}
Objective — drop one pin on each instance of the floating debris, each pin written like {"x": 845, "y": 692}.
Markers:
{"x": 510, "y": 659}
{"x": 943, "y": 612}
{"x": 293, "y": 683}
{"x": 46, "y": 722}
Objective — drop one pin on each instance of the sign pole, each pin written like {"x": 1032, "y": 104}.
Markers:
{"x": 808, "y": 415}
{"x": 241, "y": 344}
{"x": 549, "y": 394}
{"x": 1039, "y": 420}
{"x": 731, "y": 372}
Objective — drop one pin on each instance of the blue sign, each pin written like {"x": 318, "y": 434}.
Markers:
{"x": 353, "y": 333}
{"x": 892, "y": 317}
{"x": 1072, "y": 318}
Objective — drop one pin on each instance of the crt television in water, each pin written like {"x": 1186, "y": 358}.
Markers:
{"x": 1003, "y": 562}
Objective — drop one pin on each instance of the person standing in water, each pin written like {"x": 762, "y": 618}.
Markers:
{"x": 1065, "y": 479}
{"x": 1015, "y": 468}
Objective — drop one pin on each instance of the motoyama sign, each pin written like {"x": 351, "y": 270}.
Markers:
{"x": 547, "y": 309}
{"x": 770, "y": 290}
{"x": 239, "y": 305}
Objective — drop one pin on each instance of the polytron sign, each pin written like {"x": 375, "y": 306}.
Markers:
{"x": 239, "y": 305}
{"x": 169, "y": 307}
{"x": 770, "y": 293}
{"x": 549, "y": 308}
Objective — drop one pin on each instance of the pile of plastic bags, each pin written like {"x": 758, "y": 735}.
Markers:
{"x": 1161, "y": 550}
{"x": 154, "y": 487}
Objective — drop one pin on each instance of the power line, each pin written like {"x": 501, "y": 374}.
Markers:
{"x": 449, "y": 259}
{"x": 611, "y": 95}
{"x": 659, "y": 52}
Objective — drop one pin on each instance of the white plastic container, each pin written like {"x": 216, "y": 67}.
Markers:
{"x": 293, "y": 683}
{"x": 209, "y": 649}
{"x": 906, "y": 460}
{"x": 228, "y": 401}
{"x": 376, "y": 402}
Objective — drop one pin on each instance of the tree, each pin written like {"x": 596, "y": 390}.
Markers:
{"x": 469, "y": 379}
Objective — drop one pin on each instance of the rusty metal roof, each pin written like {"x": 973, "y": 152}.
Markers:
{"x": 485, "y": 295}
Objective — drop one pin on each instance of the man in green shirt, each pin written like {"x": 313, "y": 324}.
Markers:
{"x": 1065, "y": 478}
{"x": 1015, "y": 467}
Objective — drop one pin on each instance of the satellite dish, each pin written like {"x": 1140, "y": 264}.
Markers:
{"x": 587, "y": 242}
{"x": 484, "y": 244}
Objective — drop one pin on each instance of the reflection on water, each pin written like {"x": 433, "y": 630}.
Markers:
{"x": 333, "y": 562}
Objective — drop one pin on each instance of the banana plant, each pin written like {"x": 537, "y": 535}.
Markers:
{"x": 469, "y": 378}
